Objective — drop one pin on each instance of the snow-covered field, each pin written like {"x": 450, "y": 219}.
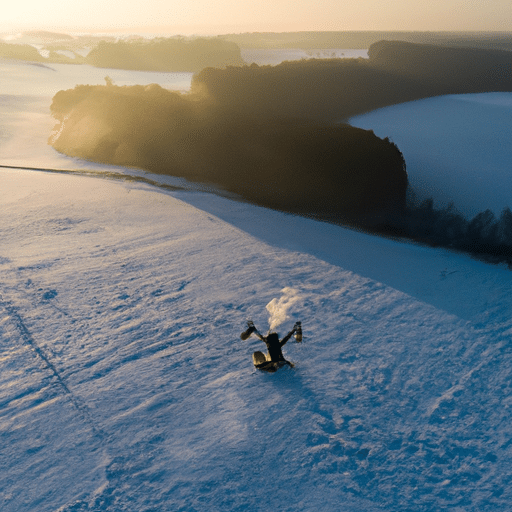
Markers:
{"x": 124, "y": 385}
{"x": 457, "y": 147}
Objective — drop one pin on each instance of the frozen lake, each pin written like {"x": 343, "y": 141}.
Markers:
{"x": 457, "y": 148}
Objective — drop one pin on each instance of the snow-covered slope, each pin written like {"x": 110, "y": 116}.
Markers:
{"x": 125, "y": 385}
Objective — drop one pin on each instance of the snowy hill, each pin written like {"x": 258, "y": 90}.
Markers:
{"x": 125, "y": 385}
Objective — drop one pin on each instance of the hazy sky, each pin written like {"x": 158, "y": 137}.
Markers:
{"x": 221, "y": 16}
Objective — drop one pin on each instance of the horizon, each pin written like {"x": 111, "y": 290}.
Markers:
{"x": 153, "y": 32}
{"x": 226, "y": 16}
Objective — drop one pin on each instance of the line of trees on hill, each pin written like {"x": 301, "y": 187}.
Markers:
{"x": 166, "y": 54}
{"x": 337, "y": 89}
{"x": 19, "y": 51}
{"x": 159, "y": 54}
{"x": 27, "y": 52}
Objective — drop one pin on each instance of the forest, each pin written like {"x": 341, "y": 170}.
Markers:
{"x": 159, "y": 54}
{"x": 165, "y": 54}
{"x": 335, "y": 172}
{"x": 337, "y": 89}
{"x": 28, "y": 52}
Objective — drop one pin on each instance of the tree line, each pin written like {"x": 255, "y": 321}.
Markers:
{"x": 166, "y": 54}
{"x": 337, "y": 89}
{"x": 336, "y": 172}
{"x": 160, "y": 54}
{"x": 485, "y": 236}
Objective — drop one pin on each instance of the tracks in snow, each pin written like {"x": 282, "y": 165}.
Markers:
{"x": 28, "y": 339}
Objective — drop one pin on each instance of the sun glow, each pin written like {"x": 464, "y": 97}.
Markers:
{"x": 223, "y": 16}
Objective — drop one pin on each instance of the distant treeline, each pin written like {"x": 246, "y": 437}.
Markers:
{"x": 364, "y": 39}
{"x": 166, "y": 54}
{"x": 193, "y": 54}
{"x": 19, "y": 51}
{"x": 22, "y": 48}
{"x": 27, "y": 52}
{"x": 337, "y": 89}
{"x": 336, "y": 172}
{"x": 160, "y": 54}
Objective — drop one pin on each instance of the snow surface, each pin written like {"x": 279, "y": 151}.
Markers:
{"x": 126, "y": 387}
{"x": 457, "y": 147}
